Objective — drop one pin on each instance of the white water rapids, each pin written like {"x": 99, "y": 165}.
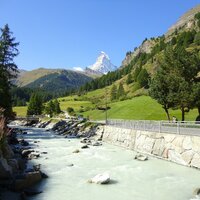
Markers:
{"x": 132, "y": 180}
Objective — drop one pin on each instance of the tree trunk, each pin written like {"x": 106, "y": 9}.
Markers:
{"x": 166, "y": 110}
{"x": 183, "y": 114}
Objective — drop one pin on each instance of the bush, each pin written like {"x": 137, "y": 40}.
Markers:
{"x": 81, "y": 110}
{"x": 136, "y": 87}
{"x": 197, "y": 38}
{"x": 70, "y": 110}
{"x": 197, "y": 120}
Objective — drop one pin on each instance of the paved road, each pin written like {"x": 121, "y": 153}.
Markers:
{"x": 156, "y": 126}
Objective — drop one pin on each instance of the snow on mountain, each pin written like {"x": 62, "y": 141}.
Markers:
{"x": 79, "y": 69}
{"x": 103, "y": 64}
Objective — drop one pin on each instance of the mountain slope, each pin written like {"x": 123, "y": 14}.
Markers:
{"x": 59, "y": 81}
{"x": 186, "y": 23}
{"x": 141, "y": 64}
{"x": 26, "y": 77}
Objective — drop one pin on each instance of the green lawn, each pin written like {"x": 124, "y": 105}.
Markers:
{"x": 20, "y": 111}
{"x": 138, "y": 108}
{"x": 76, "y": 105}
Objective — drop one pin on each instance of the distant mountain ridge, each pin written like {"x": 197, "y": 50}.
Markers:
{"x": 26, "y": 77}
{"x": 51, "y": 80}
{"x": 60, "y": 81}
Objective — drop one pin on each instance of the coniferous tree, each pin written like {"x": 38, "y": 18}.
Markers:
{"x": 120, "y": 91}
{"x": 129, "y": 79}
{"x": 57, "y": 109}
{"x": 136, "y": 73}
{"x": 50, "y": 108}
{"x": 8, "y": 69}
{"x": 197, "y": 38}
{"x": 143, "y": 78}
{"x": 35, "y": 105}
{"x": 113, "y": 93}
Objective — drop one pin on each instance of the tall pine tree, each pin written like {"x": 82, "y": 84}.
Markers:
{"x": 8, "y": 69}
{"x": 113, "y": 93}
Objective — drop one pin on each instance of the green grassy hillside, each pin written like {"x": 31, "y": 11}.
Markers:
{"x": 138, "y": 108}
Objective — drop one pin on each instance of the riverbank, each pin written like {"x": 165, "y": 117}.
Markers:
{"x": 180, "y": 149}
{"x": 17, "y": 175}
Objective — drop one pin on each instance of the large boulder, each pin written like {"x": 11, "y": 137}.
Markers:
{"x": 26, "y": 152}
{"x": 14, "y": 164}
{"x": 100, "y": 179}
{"x": 196, "y": 160}
{"x": 5, "y": 169}
{"x": 196, "y": 192}
{"x": 29, "y": 180}
{"x": 7, "y": 152}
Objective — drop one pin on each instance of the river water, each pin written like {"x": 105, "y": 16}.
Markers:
{"x": 131, "y": 180}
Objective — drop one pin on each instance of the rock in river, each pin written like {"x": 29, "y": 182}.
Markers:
{"x": 76, "y": 151}
{"x": 84, "y": 146}
{"x": 100, "y": 179}
{"x": 141, "y": 157}
{"x": 196, "y": 192}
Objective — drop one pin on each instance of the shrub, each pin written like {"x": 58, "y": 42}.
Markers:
{"x": 70, "y": 110}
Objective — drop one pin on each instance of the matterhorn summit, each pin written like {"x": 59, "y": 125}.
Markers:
{"x": 103, "y": 64}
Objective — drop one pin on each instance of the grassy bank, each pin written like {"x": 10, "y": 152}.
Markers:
{"x": 20, "y": 110}
{"x": 138, "y": 108}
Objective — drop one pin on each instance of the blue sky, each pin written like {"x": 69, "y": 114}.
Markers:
{"x": 71, "y": 33}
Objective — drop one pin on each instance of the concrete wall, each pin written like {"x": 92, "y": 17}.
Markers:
{"x": 181, "y": 149}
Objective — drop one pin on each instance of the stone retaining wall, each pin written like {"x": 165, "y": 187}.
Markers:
{"x": 181, "y": 149}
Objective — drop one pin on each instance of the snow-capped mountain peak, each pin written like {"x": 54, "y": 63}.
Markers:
{"x": 103, "y": 64}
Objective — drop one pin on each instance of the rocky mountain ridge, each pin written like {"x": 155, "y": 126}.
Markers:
{"x": 186, "y": 22}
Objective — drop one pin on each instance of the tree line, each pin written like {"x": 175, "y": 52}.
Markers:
{"x": 176, "y": 84}
{"x": 37, "y": 107}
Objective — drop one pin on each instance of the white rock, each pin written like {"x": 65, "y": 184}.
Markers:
{"x": 148, "y": 145}
{"x": 141, "y": 157}
{"x": 187, "y": 156}
{"x": 100, "y": 179}
{"x": 176, "y": 157}
{"x": 96, "y": 144}
{"x": 187, "y": 143}
{"x": 196, "y": 160}
{"x": 159, "y": 147}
